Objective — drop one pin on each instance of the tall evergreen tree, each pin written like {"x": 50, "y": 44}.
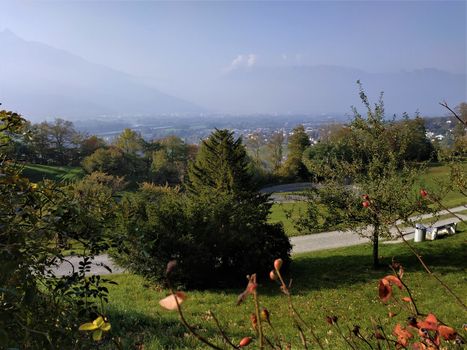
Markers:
{"x": 221, "y": 165}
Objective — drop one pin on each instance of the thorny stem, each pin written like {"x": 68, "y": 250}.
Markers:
{"x": 445, "y": 105}
{"x": 302, "y": 336}
{"x": 186, "y": 324}
{"x": 361, "y": 337}
{"x": 342, "y": 335}
{"x": 404, "y": 305}
{"x": 294, "y": 312}
{"x": 222, "y": 331}
{"x": 427, "y": 269}
{"x": 269, "y": 342}
{"x": 375, "y": 329}
{"x": 384, "y": 334}
{"x": 258, "y": 317}
{"x": 45, "y": 334}
{"x": 437, "y": 201}
{"x": 412, "y": 300}
{"x": 276, "y": 337}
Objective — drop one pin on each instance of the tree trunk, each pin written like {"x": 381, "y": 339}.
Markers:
{"x": 375, "y": 240}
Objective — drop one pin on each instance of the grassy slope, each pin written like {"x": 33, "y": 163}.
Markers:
{"x": 280, "y": 213}
{"x": 437, "y": 175}
{"x": 38, "y": 172}
{"x": 333, "y": 282}
{"x": 434, "y": 177}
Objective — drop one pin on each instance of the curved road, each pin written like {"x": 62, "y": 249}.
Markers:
{"x": 300, "y": 244}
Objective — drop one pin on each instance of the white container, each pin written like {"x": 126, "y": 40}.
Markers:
{"x": 420, "y": 232}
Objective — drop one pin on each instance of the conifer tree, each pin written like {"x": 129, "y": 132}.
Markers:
{"x": 221, "y": 165}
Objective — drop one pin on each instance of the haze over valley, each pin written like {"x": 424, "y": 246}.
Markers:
{"x": 53, "y": 75}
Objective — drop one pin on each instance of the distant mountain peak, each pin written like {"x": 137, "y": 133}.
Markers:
{"x": 41, "y": 81}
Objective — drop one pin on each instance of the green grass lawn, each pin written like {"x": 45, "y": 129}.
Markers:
{"x": 333, "y": 282}
{"x": 435, "y": 177}
{"x": 38, "y": 172}
{"x": 280, "y": 213}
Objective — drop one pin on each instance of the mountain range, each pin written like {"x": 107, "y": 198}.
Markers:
{"x": 325, "y": 89}
{"x": 40, "y": 82}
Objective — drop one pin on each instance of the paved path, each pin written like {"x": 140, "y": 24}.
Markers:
{"x": 300, "y": 244}
{"x": 281, "y": 193}
{"x": 72, "y": 262}
{"x": 337, "y": 239}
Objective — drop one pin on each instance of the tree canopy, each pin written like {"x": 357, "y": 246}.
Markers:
{"x": 221, "y": 165}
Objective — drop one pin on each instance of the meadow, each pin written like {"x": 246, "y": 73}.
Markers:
{"x": 436, "y": 176}
{"x": 338, "y": 282}
{"x": 39, "y": 172}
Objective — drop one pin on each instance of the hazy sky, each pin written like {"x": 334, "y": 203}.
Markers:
{"x": 176, "y": 45}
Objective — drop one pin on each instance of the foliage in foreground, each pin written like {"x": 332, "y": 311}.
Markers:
{"x": 420, "y": 332}
{"x": 38, "y": 309}
{"x": 337, "y": 282}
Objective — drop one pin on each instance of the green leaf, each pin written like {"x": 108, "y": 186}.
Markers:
{"x": 97, "y": 335}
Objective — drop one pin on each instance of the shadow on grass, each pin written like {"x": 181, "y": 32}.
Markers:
{"x": 135, "y": 329}
{"x": 343, "y": 267}
{"x": 354, "y": 264}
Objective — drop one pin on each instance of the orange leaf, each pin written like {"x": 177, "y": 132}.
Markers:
{"x": 403, "y": 335}
{"x": 430, "y": 323}
{"x": 406, "y": 299}
{"x": 170, "y": 302}
{"x": 394, "y": 280}
{"x": 384, "y": 290}
{"x": 250, "y": 288}
{"x": 447, "y": 333}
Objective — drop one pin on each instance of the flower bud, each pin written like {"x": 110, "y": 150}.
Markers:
{"x": 170, "y": 266}
{"x": 254, "y": 321}
{"x": 272, "y": 275}
{"x": 265, "y": 315}
{"x": 278, "y": 264}
{"x": 423, "y": 193}
{"x": 244, "y": 342}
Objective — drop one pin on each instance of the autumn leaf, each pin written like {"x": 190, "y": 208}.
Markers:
{"x": 170, "y": 302}
{"x": 447, "y": 333}
{"x": 403, "y": 335}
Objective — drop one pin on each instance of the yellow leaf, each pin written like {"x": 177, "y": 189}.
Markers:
{"x": 106, "y": 327}
{"x": 99, "y": 322}
{"x": 88, "y": 327}
{"x": 97, "y": 335}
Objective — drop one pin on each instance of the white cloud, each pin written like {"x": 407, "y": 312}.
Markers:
{"x": 248, "y": 60}
{"x": 251, "y": 61}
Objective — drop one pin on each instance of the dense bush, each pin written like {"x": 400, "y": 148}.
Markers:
{"x": 216, "y": 240}
{"x": 218, "y": 232}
